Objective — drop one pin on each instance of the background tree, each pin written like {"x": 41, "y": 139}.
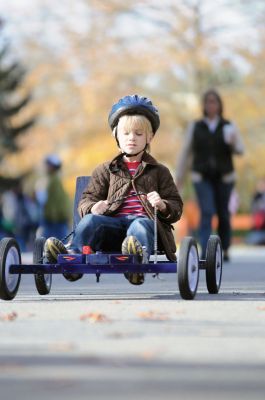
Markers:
{"x": 82, "y": 57}
{"x": 12, "y": 103}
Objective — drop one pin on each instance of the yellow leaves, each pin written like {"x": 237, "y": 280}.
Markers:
{"x": 86, "y": 155}
{"x": 73, "y": 91}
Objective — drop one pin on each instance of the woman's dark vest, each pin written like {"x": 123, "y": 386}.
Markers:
{"x": 212, "y": 157}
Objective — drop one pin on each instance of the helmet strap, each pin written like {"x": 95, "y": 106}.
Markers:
{"x": 116, "y": 136}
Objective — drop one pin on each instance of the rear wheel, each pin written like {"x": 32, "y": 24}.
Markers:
{"x": 214, "y": 264}
{"x": 188, "y": 268}
{"x": 9, "y": 255}
{"x": 43, "y": 282}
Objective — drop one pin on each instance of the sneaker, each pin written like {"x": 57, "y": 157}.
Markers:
{"x": 52, "y": 248}
{"x": 131, "y": 245}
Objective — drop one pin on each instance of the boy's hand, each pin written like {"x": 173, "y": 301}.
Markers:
{"x": 100, "y": 207}
{"x": 155, "y": 200}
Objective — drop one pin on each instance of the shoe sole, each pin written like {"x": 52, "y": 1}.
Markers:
{"x": 53, "y": 247}
{"x": 72, "y": 277}
{"x": 131, "y": 245}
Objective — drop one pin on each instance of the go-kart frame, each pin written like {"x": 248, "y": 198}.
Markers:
{"x": 186, "y": 267}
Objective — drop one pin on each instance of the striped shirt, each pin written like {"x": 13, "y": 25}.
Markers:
{"x": 131, "y": 205}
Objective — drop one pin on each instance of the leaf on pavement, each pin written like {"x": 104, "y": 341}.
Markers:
{"x": 94, "y": 317}
{"x": 148, "y": 355}
{"x": 61, "y": 346}
{"x": 9, "y": 316}
{"x": 153, "y": 316}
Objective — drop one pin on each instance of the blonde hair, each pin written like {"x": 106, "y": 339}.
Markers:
{"x": 129, "y": 122}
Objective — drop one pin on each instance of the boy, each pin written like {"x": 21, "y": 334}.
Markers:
{"x": 117, "y": 207}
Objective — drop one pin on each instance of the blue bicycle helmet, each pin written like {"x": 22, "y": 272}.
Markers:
{"x": 131, "y": 105}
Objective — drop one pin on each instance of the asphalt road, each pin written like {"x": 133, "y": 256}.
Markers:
{"x": 115, "y": 341}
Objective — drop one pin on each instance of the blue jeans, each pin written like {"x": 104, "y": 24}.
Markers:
{"x": 107, "y": 233}
{"x": 213, "y": 198}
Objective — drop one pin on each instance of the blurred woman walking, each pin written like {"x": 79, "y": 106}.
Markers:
{"x": 208, "y": 150}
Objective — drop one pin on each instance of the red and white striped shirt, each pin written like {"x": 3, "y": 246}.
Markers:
{"x": 131, "y": 205}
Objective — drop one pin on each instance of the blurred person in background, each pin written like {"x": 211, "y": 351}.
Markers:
{"x": 208, "y": 150}
{"x": 54, "y": 201}
{"x": 257, "y": 234}
{"x": 7, "y": 214}
{"x": 19, "y": 216}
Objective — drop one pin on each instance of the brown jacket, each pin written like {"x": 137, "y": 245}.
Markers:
{"x": 112, "y": 181}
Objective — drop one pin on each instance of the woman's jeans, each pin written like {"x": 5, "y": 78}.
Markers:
{"x": 107, "y": 233}
{"x": 213, "y": 198}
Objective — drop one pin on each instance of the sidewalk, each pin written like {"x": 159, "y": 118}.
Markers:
{"x": 247, "y": 251}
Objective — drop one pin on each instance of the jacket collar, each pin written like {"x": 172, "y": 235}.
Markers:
{"x": 117, "y": 163}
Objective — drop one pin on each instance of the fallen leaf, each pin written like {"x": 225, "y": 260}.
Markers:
{"x": 148, "y": 355}
{"x": 9, "y": 316}
{"x": 94, "y": 317}
{"x": 153, "y": 316}
{"x": 61, "y": 346}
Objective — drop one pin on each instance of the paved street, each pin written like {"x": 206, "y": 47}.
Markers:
{"x": 114, "y": 341}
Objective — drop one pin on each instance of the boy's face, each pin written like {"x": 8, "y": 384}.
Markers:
{"x": 132, "y": 137}
{"x": 132, "y": 142}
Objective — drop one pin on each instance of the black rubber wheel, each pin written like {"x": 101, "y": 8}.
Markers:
{"x": 43, "y": 282}
{"x": 9, "y": 255}
{"x": 214, "y": 264}
{"x": 188, "y": 268}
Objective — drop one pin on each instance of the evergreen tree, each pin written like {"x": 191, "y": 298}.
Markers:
{"x": 11, "y": 79}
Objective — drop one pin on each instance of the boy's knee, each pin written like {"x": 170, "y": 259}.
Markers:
{"x": 139, "y": 224}
{"x": 87, "y": 221}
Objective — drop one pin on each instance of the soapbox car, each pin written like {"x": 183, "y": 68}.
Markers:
{"x": 186, "y": 267}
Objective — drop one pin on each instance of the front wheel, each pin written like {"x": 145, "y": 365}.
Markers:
{"x": 214, "y": 264}
{"x": 188, "y": 268}
{"x": 9, "y": 255}
{"x": 43, "y": 282}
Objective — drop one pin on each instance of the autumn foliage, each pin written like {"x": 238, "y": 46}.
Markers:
{"x": 170, "y": 52}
